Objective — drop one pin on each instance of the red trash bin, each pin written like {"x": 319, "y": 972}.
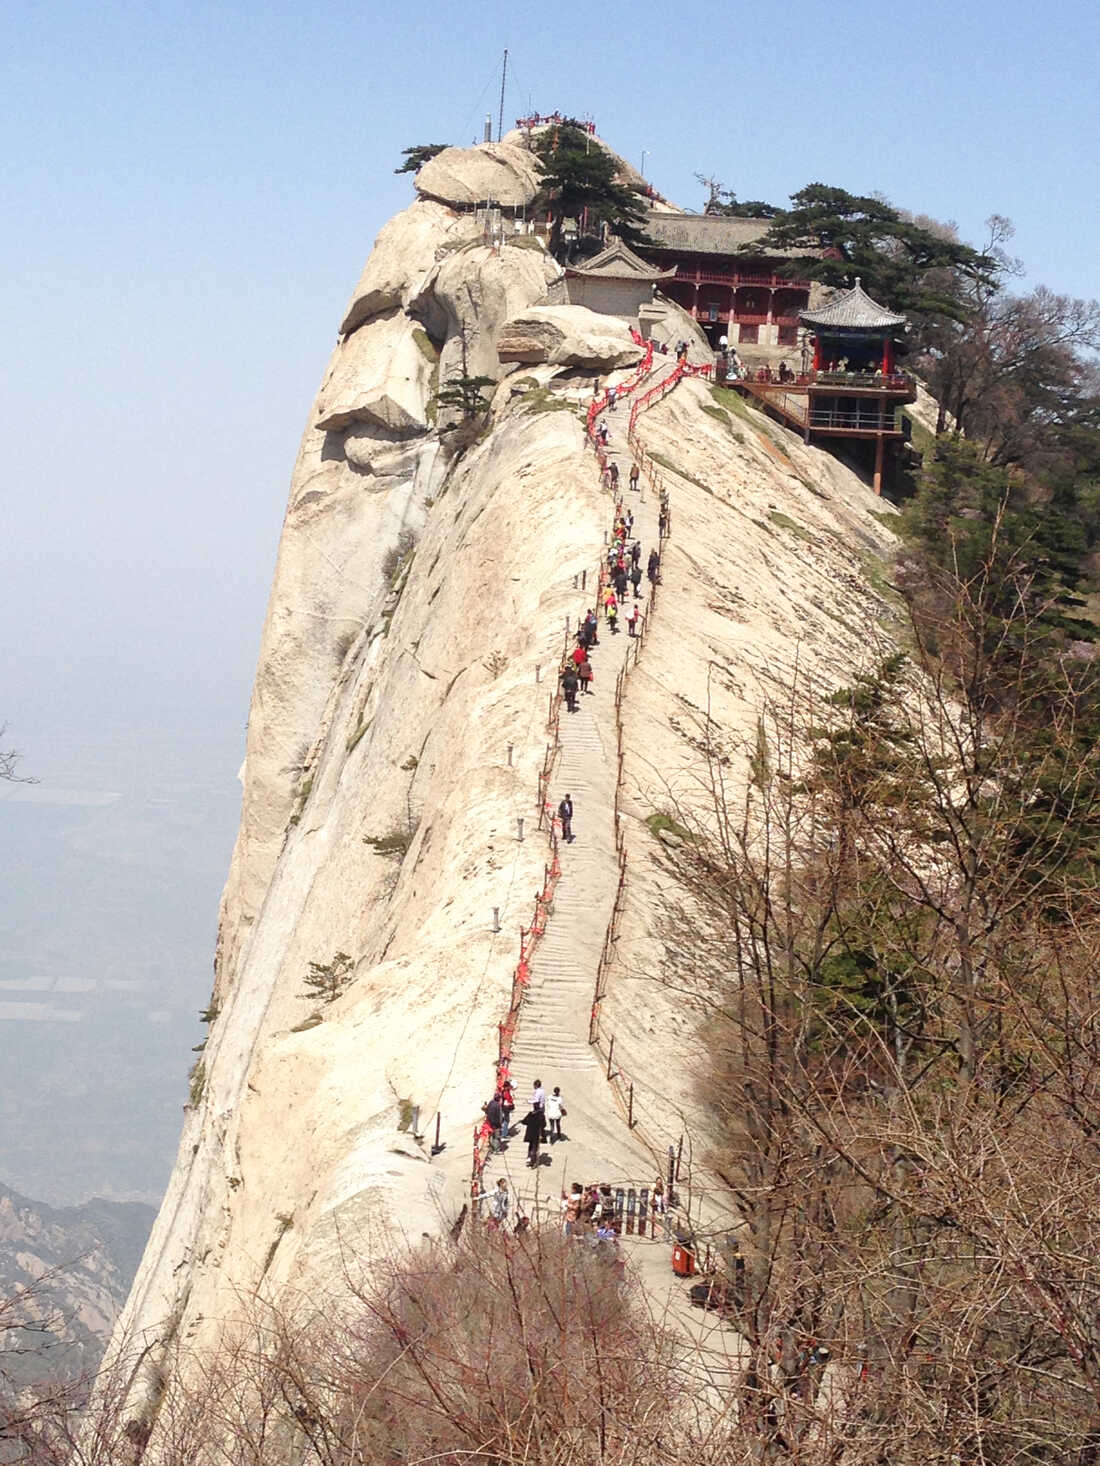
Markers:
{"x": 683, "y": 1261}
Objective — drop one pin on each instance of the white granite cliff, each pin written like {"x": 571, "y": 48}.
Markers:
{"x": 415, "y": 607}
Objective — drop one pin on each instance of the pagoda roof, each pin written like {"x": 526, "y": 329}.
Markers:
{"x": 617, "y": 262}
{"x": 853, "y": 310}
{"x": 713, "y": 234}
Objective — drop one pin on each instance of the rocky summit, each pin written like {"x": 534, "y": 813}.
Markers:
{"x": 407, "y": 750}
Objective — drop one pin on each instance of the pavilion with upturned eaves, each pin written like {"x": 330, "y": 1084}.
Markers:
{"x": 854, "y": 389}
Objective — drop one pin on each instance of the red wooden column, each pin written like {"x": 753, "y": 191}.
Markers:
{"x": 817, "y": 353}
{"x": 887, "y": 355}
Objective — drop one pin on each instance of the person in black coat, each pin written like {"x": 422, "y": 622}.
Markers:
{"x": 495, "y": 1116}
{"x": 533, "y": 1123}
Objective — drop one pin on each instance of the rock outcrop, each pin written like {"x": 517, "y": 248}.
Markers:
{"x": 405, "y": 250}
{"x": 382, "y": 376}
{"x": 568, "y": 335}
{"x": 464, "y": 300}
{"x": 500, "y": 173}
{"x": 397, "y": 727}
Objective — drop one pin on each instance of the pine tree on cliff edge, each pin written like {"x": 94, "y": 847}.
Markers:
{"x": 579, "y": 182}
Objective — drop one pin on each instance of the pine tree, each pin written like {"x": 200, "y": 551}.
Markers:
{"x": 900, "y": 263}
{"x": 416, "y": 157}
{"x": 326, "y": 981}
{"x": 579, "y": 182}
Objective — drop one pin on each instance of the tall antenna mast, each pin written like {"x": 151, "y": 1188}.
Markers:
{"x": 503, "y": 74}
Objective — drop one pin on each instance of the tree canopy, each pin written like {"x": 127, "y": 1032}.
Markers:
{"x": 900, "y": 262}
{"x": 416, "y": 157}
{"x": 579, "y": 181}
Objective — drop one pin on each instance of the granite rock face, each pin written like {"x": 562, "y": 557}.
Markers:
{"x": 380, "y": 375}
{"x": 397, "y": 730}
{"x": 500, "y": 173}
{"x": 405, "y": 250}
{"x": 569, "y": 336}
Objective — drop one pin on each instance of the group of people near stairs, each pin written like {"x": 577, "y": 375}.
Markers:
{"x": 542, "y": 1123}
{"x": 590, "y": 1212}
{"x": 624, "y": 566}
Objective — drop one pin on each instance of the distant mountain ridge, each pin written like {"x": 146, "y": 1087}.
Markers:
{"x": 78, "y": 1263}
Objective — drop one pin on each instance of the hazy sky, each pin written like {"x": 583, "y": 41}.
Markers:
{"x": 190, "y": 191}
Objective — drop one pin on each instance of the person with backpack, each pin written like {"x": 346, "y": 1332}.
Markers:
{"x": 569, "y": 685}
{"x": 653, "y": 568}
{"x": 584, "y": 672}
{"x": 635, "y": 474}
{"x": 555, "y": 1112}
{"x": 565, "y": 814}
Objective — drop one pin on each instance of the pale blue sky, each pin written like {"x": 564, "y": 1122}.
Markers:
{"x": 190, "y": 192}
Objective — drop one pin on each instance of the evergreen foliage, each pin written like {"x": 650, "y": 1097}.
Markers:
{"x": 416, "y": 157}
{"x": 579, "y": 180}
{"x": 465, "y": 396}
{"x": 899, "y": 262}
{"x": 327, "y": 981}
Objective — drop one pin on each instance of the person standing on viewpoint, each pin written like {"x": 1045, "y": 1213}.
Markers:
{"x": 499, "y": 1203}
{"x": 565, "y": 814}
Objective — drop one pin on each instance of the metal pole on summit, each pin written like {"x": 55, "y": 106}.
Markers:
{"x": 503, "y": 74}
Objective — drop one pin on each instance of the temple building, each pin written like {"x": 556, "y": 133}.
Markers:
{"x": 853, "y": 388}
{"x": 616, "y": 282}
{"x": 739, "y": 296}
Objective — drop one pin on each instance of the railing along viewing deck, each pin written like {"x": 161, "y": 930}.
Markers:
{"x": 767, "y": 378}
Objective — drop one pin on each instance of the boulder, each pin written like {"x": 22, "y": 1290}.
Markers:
{"x": 474, "y": 292}
{"x": 568, "y": 335}
{"x": 383, "y": 375}
{"x": 405, "y": 250}
{"x": 501, "y": 173}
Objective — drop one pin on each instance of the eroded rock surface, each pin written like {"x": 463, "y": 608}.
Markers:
{"x": 501, "y": 173}
{"x": 405, "y": 250}
{"x": 568, "y": 335}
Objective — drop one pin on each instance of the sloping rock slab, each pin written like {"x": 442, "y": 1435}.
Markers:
{"x": 568, "y": 335}
{"x": 500, "y": 172}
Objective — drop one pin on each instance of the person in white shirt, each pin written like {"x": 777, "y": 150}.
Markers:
{"x": 555, "y": 1109}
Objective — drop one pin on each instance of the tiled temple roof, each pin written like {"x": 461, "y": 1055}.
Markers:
{"x": 854, "y": 310}
{"x": 712, "y": 234}
{"x": 617, "y": 262}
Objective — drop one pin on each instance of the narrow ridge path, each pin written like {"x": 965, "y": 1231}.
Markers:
{"x": 552, "y": 1038}
{"x": 551, "y": 1041}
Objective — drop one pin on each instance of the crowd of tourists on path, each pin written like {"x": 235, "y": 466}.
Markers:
{"x": 586, "y": 1211}
{"x": 623, "y": 590}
